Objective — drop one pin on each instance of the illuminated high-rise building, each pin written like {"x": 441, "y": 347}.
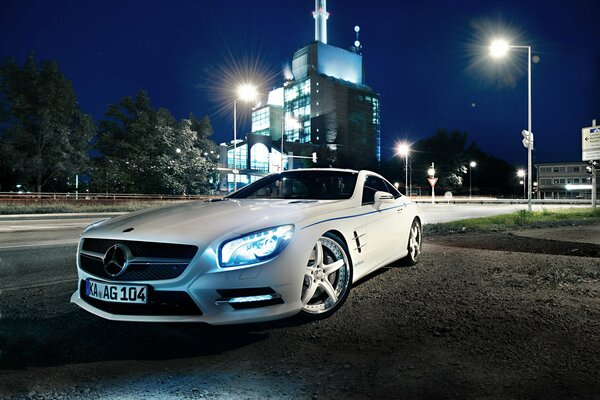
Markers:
{"x": 325, "y": 107}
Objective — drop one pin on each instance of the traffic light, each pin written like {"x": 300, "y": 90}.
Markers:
{"x": 527, "y": 136}
{"x": 591, "y": 166}
{"x": 314, "y": 157}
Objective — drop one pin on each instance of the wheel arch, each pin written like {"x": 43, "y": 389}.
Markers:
{"x": 342, "y": 237}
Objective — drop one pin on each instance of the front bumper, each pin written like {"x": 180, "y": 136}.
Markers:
{"x": 214, "y": 295}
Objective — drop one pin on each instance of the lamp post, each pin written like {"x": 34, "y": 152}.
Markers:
{"x": 472, "y": 165}
{"x": 403, "y": 150}
{"x": 247, "y": 93}
{"x": 521, "y": 174}
{"x": 498, "y": 49}
{"x": 431, "y": 173}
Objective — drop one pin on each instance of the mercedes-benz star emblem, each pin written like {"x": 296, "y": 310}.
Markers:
{"x": 116, "y": 259}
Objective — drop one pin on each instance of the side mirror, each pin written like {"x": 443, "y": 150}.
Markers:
{"x": 383, "y": 197}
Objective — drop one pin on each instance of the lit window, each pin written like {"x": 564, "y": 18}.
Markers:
{"x": 240, "y": 159}
{"x": 260, "y": 121}
{"x": 259, "y": 157}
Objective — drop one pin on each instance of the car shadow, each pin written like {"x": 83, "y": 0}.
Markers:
{"x": 74, "y": 336}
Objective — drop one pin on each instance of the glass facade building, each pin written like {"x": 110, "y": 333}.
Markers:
{"x": 297, "y": 112}
{"x": 325, "y": 108}
{"x": 261, "y": 122}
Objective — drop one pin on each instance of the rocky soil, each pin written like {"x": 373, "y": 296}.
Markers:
{"x": 482, "y": 316}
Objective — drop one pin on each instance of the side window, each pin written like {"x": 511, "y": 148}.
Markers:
{"x": 372, "y": 184}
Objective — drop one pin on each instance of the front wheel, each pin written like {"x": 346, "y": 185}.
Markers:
{"x": 415, "y": 241}
{"x": 327, "y": 278}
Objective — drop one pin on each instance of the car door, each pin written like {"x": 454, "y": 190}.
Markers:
{"x": 384, "y": 233}
{"x": 402, "y": 219}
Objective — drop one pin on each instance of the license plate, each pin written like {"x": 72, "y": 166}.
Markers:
{"x": 133, "y": 294}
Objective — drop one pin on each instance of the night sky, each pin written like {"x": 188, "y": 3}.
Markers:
{"x": 427, "y": 59}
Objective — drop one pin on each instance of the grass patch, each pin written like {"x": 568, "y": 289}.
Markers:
{"x": 77, "y": 206}
{"x": 521, "y": 219}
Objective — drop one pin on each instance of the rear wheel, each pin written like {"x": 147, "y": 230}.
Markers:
{"x": 415, "y": 241}
{"x": 327, "y": 278}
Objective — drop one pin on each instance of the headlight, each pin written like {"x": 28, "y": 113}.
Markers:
{"x": 255, "y": 247}
{"x": 95, "y": 224}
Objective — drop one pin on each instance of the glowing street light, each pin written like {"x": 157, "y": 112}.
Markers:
{"x": 246, "y": 93}
{"x": 498, "y": 49}
{"x": 472, "y": 165}
{"x": 431, "y": 173}
{"x": 403, "y": 149}
{"x": 521, "y": 174}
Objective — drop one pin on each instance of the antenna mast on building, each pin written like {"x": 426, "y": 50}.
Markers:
{"x": 357, "y": 45}
{"x": 321, "y": 15}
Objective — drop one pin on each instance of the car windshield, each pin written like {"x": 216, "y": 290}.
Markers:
{"x": 305, "y": 184}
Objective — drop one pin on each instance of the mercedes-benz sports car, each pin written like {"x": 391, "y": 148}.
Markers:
{"x": 289, "y": 243}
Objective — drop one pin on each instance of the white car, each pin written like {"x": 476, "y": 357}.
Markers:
{"x": 289, "y": 243}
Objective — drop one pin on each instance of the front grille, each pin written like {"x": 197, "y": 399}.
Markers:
{"x": 142, "y": 249}
{"x": 150, "y": 261}
{"x": 159, "y": 303}
{"x": 134, "y": 272}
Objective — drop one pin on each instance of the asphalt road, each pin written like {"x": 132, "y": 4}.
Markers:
{"x": 63, "y": 351}
{"x": 41, "y": 252}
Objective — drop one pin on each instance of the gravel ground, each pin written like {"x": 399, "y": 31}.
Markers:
{"x": 466, "y": 322}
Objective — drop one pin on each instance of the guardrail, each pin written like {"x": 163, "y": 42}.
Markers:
{"x": 31, "y": 196}
{"x": 488, "y": 200}
{"x": 14, "y": 196}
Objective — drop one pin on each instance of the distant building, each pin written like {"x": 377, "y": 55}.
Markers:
{"x": 564, "y": 180}
{"x": 325, "y": 108}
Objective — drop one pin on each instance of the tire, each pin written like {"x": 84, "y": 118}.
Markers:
{"x": 328, "y": 278}
{"x": 415, "y": 242}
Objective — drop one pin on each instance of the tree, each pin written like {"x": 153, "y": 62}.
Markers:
{"x": 447, "y": 151}
{"x": 146, "y": 150}
{"x": 451, "y": 153}
{"x": 44, "y": 134}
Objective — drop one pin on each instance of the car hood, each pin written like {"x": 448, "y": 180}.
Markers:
{"x": 201, "y": 222}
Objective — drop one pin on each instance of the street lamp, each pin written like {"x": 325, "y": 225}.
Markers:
{"x": 521, "y": 174}
{"x": 246, "y": 93}
{"x": 403, "y": 150}
{"x": 472, "y": 165}
{"x": 431, "y": 173}
{"x": 498, "y": 49}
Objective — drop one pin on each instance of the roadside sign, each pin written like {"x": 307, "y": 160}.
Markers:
{"x": 432, "y": 181}
{"x": 590, "y": 143}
